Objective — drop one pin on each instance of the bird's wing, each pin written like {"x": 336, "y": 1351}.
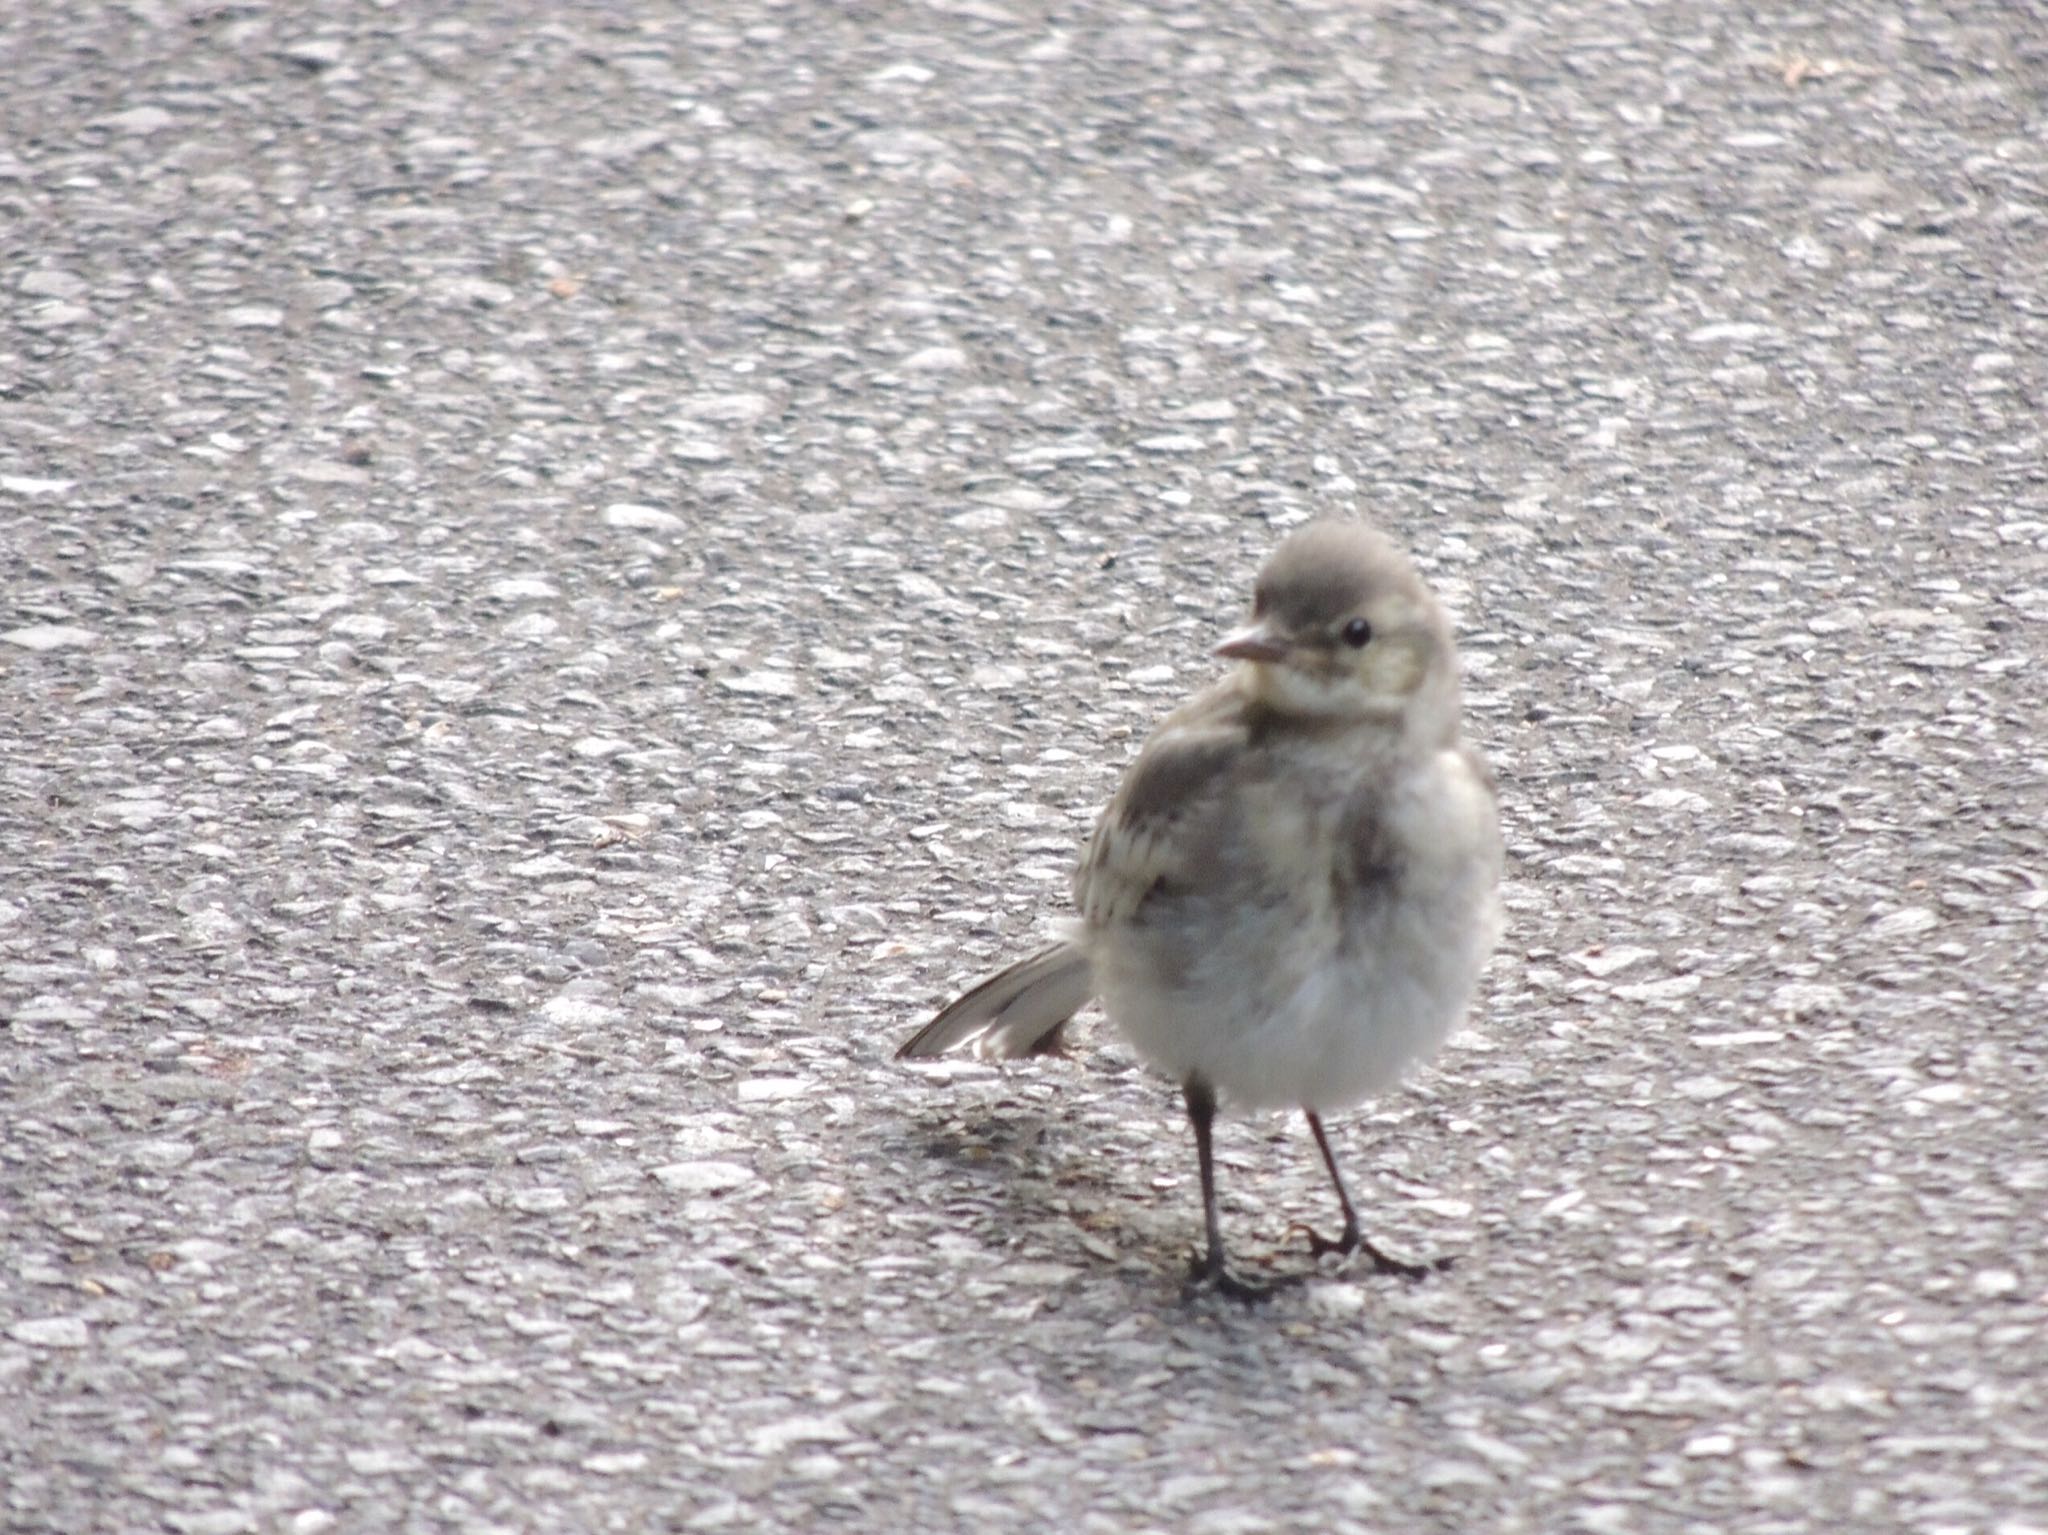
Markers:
{"x": 1161, "y": 825}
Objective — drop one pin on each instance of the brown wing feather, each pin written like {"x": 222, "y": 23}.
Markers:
{"x": 1141, "y": 838}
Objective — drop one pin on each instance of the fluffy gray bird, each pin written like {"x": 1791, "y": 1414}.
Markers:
{"x": 1289, "y": 900}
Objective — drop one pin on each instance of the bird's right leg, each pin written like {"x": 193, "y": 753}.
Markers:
{"x": 1210, "y": 1269}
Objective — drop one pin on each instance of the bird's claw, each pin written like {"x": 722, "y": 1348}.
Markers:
{"x": 1353, "y": 1241}
{"x": 1318, "y": 1244}
{"x": 1206, "y": 1273}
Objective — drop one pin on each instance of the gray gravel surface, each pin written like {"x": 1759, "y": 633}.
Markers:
{"x": 571, "y": 571}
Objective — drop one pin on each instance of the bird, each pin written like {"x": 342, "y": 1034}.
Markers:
{"x": 1290, "y": 898}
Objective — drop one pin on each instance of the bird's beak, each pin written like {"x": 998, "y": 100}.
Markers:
{"x": 1254, "y": 642}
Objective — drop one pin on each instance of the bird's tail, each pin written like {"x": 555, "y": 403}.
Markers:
{"x": 1015, "y": 1012}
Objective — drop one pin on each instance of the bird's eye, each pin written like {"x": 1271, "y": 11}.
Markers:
{"x": 1357, "y": 634}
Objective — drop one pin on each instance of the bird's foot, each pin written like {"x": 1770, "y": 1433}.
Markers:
{"x": 1318, "y": 1244}
{"x": 1211, "y": 1273}
{"x": 1353, "y": 1241}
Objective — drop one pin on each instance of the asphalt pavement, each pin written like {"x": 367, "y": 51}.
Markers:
{"x": 570, "y": 572}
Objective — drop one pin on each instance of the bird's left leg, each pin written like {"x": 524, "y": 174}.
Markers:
{"x": 1352, "y": 1239}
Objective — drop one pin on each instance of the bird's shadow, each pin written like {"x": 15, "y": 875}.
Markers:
{"x": 1031, "y": 1188}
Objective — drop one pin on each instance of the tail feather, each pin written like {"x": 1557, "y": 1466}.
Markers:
{"x": 1015, "y": 1012}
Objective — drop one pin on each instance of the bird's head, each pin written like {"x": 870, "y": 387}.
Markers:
{"x": 1343, "y": 630}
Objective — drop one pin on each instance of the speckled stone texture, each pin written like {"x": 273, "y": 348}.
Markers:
{"x": 571, "y": 571}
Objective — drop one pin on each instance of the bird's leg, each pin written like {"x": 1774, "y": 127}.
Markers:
{"x": 1210, "y": 1269}
{"x": 1351, "y": 1239}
